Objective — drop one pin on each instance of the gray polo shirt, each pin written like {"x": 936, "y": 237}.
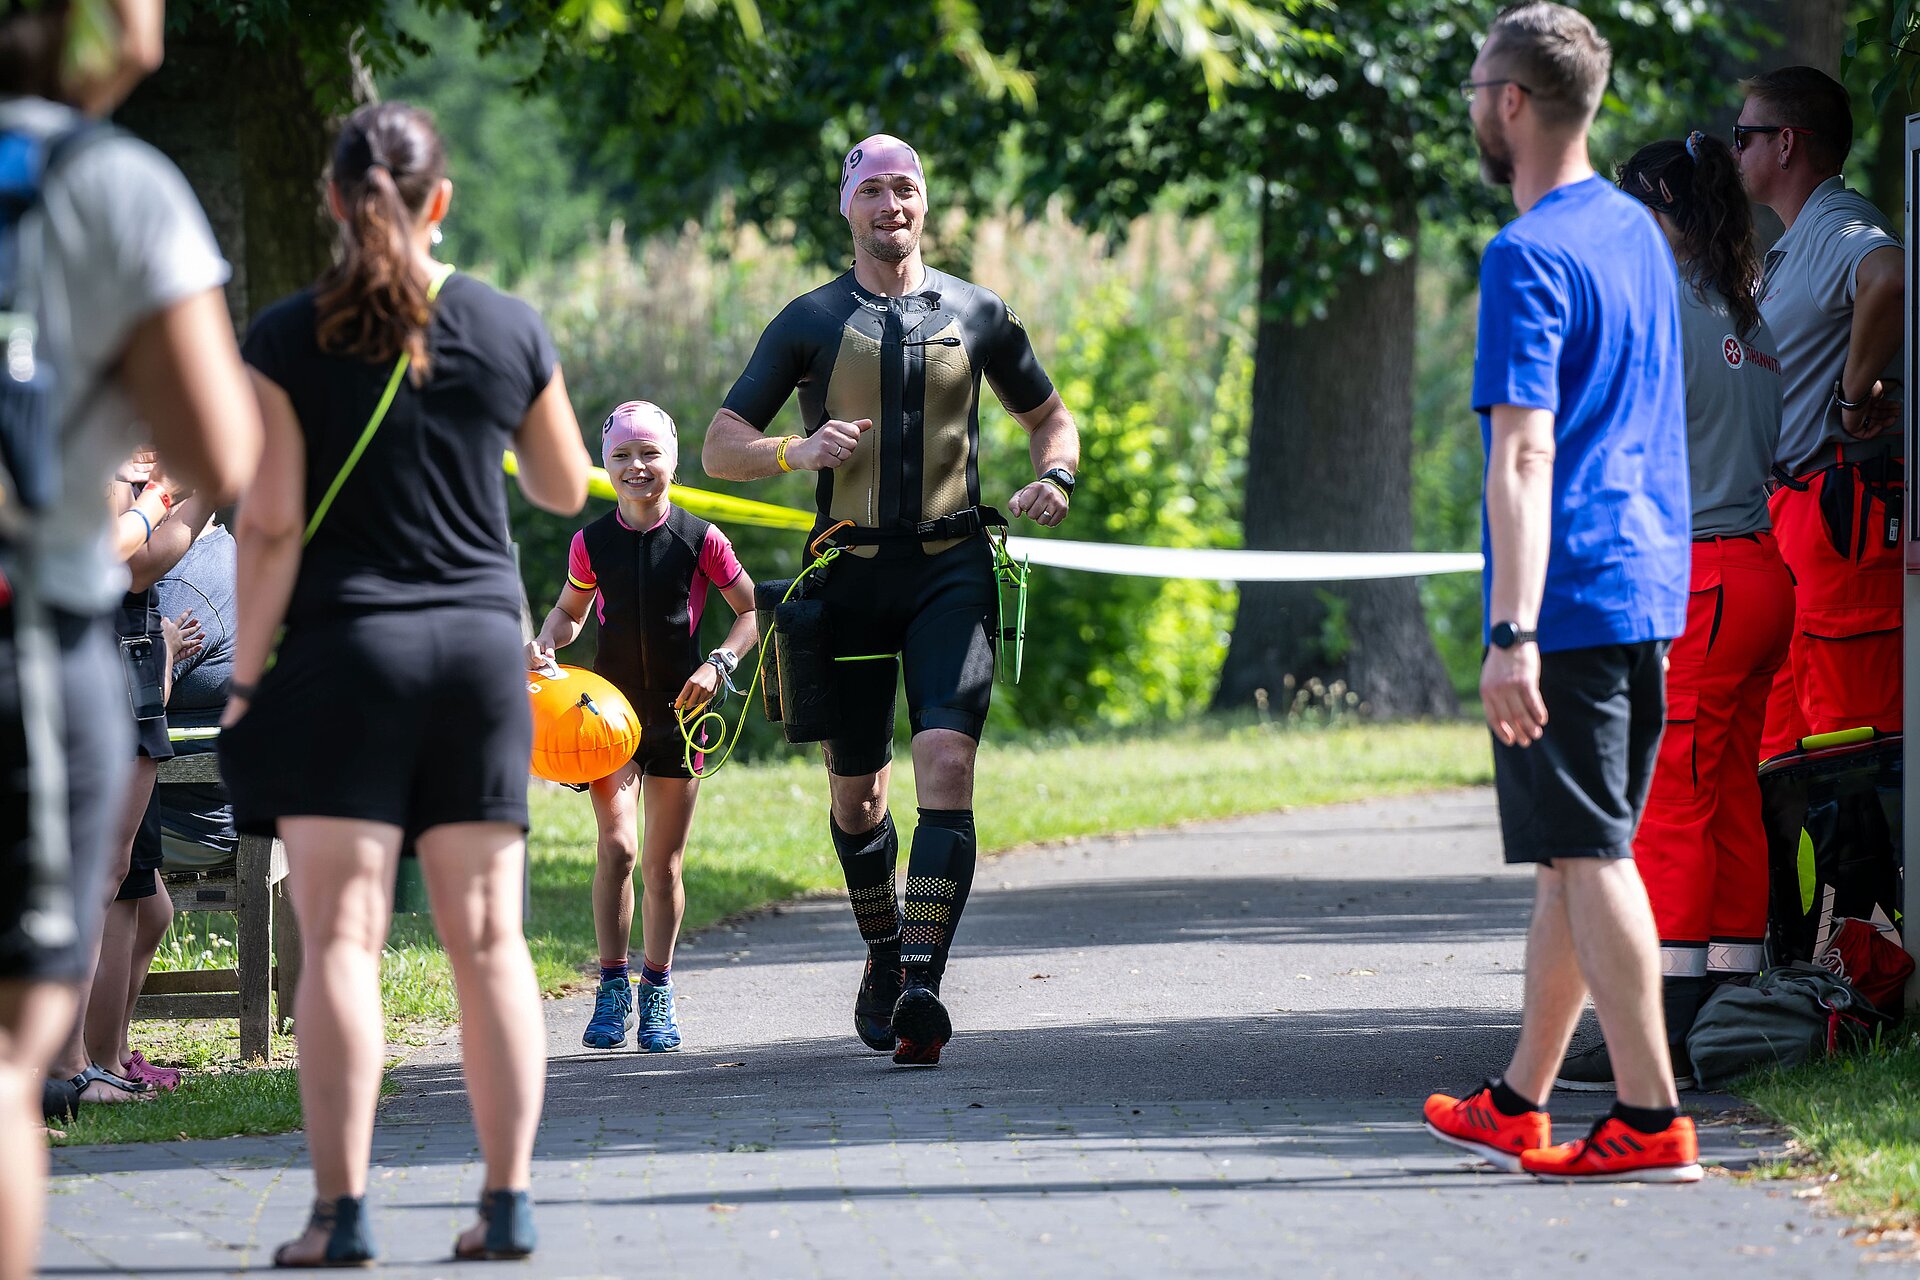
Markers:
{"x": 1733, "y": 415}
{"x": 1807, "y": 299}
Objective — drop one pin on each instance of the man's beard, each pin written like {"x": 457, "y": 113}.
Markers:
{"x": 886, "y": 248}
{"x": 1496, "y": 159}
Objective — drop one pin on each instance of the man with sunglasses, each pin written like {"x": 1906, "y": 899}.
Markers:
{"x": 1833, "y": 292}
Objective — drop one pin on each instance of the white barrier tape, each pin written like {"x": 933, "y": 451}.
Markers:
{"x": 1222, "y": 565}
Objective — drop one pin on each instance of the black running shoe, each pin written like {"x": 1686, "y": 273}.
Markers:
{"x": 922, "y": 1025}
{"x": 873, "y": 1007}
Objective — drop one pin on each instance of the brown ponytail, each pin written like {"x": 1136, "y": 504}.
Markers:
{"x": 1696, "y": 183}
{"x": 372, "y": 303}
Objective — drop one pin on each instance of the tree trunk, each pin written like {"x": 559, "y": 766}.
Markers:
{"x": 1329, "y": 468}
{"x": 243, "y": 126}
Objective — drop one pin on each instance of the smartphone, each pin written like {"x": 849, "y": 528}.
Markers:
{"x": 146, "y": 676}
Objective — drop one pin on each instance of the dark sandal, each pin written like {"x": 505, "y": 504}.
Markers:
{"x": 94, "y": 1075}
{"x": 348, "y": 1245}
{"x": 510, "y": 1233}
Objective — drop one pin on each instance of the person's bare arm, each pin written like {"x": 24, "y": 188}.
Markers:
{"x": 554, "y": 463}
{"x": 1053, "y": 440}
{"x": 735, "y": 449}
{"x": 1879, "y": 295}
{"x": 1519, "y": 524}
{"x": 171, "y": 540}
{"x": 704, "y": 683}
{"x": 562, "y": 627}
{"x": 182, "y": 369}
{"x": 267, "y": 542}
{"x": 745, "y": 632}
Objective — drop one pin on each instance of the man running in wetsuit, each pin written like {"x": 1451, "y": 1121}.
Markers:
{"x": 888, "y": 359}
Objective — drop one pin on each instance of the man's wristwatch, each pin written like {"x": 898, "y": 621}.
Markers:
{"x": 1850, "y": 406}
{"x": 1061, "y": 478}
{"x": 1505, "y": 635}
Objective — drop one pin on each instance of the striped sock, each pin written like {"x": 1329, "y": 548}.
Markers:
{"x": 611, "y": 971}
{"x": 655, "y": 977}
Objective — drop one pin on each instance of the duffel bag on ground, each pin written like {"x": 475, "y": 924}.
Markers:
{"x": 1785, "y": 1017}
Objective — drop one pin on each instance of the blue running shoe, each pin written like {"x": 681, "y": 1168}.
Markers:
{"x": 659, "y": 1025}
{"x": 612, "y": 1015}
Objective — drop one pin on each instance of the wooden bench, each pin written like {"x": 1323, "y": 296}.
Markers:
{"x": 267, "y": 942}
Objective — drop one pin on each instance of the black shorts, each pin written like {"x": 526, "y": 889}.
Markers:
{"x": 143, "y": 879}
{"x": 51, "y": 937}
{"x": 1580, "y": 790}
{"x": 663, "y": 752}
{"x": 416, "y": 718}
{"x": 938, "y": 613}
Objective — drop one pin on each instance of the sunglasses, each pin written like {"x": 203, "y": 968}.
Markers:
{"x": 1741, "y": 132}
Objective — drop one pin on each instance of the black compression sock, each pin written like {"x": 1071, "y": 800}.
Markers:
{"x": 939, "y": 875}
{"x": 1509, "y": 1103}
{"x": 1645, "y": 1119}
{"x": 868, "y": 860}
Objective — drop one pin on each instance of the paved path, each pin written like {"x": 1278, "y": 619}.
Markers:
{"x": 1187, "y": 1053}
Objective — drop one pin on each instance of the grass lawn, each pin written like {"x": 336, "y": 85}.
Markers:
{"x": 1857, "y": 1116}
{"x": 761, "y": 836}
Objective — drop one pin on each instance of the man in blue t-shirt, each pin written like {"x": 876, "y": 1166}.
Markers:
{"x": 1579, "y": 376}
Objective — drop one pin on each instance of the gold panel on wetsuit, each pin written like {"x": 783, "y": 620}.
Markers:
{"x": 853, "y": 393}
{"x": 948, "y": 409}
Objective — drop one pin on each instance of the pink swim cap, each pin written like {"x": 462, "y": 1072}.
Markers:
{"x": 637, "y": 420}
{"x": 882, "y": 153}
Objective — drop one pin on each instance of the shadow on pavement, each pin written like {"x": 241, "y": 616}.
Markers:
{"x": 1268, "y": 910}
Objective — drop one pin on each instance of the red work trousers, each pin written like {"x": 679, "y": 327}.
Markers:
{"x": 1701, "y": 847}
{"x": 1838, "y": 535}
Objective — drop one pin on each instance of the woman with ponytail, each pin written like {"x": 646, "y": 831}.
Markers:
{"x": 378, "y": 695}
{"x": 1701, "y": 847}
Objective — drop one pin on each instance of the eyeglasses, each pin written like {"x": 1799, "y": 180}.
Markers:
{"x": 1468, "y": 86}
{"x": 1741, "y": 132}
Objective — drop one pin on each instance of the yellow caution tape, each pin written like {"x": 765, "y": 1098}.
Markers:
{"x": 704, "y": 503}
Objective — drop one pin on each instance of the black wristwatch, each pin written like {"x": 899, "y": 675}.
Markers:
{"x": 1060, "y": 476}
{"x": 1505, "y": 635}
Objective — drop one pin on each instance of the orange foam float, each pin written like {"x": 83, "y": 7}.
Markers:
{"x": 583, "y": 727}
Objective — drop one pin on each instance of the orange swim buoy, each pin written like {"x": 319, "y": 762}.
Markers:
{"x": 583, "y": 727}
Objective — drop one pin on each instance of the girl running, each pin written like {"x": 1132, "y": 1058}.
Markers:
{"x": 645, "y": 568}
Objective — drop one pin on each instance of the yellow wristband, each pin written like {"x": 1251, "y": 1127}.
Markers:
{"x": 781, "y": 456}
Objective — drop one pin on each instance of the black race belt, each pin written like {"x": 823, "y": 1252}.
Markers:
{"x": 961, "y": 524}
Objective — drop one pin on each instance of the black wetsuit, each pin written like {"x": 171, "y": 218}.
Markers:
{"x": 917, "y": 580}
{"x": 913, "y": 365}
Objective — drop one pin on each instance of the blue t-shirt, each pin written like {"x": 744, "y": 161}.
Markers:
{"x": 1580, "y": 315}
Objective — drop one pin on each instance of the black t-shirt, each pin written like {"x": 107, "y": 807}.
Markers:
{"x": 422, "y": 521}
{"x": 913, "y": 365}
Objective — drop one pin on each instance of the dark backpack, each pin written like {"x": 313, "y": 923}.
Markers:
{"x": 29, "y": 426}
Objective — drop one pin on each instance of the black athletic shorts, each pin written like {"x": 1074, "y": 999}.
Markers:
{"x": 412, "y": 717}
{"x": 1580, "y": 790}
{"x": 55, "y": 942}
{"x": 143, "y": 872}
{"x": 938, "y": 613}
{"x": 663, "y": 752}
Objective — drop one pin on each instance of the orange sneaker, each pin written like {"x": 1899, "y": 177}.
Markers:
{"x": 1617, "y": 1152}
{"x": 1474, "y": 1124}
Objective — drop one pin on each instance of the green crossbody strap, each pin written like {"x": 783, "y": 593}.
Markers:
{"x": 441, "y": 271}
